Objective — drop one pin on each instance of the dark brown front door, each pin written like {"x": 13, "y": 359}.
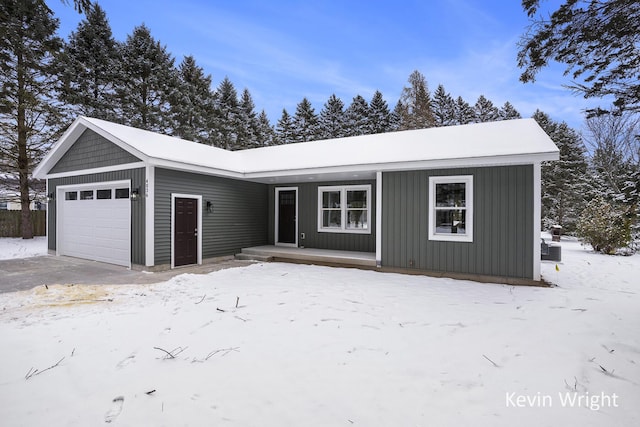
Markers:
{"x": 185, "y": 243}
{"x": 287, "y": 216}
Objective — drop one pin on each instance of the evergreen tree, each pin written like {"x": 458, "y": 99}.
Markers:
{"x": 444, "y": 107}
{"x": 305, "y": 122}
{"x": 416, "y": 99}
{"x": 397, "y": 115}
{"x": 358, "y": 117}
{"x": 226, "y": 118}
{"x": 464, "y": 113}
{"x": 192, "y": 105}
{"x": 148, "y": 82}
{"x": 485, "y": 110}
{"x": 332, "y": 119}
{"x": 597, "y": 40}
{"x": 564, "y": 182}
{"x": 284, "y": 129}
{"x": 265, "y": 135}
{"x": 248, "y": 122}
{"x": 29, "y": 117}
{"x": 380, "y": 120}
{"x": 508, "y": 112}
{"x": 90, "y": 67}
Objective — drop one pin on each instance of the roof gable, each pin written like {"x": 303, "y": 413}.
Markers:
{"x": 92, "y": 150}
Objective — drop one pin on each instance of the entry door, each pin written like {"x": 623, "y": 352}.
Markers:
{"x": 286, "y": 233}
{"x": 185, "y": 237}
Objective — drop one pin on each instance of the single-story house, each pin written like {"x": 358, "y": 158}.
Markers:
{"x": 459, "y": 200}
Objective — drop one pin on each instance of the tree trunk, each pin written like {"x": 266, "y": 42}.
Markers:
{"x": 23, "y": 158}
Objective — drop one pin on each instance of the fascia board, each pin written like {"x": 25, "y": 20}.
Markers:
{"x": 415, "y": 165}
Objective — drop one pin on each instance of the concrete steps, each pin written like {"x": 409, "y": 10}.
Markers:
{"x": 243, "y": 256}
{"x": 308, "y": 256}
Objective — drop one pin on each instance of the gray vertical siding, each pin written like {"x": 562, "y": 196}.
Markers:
{"x": 238, "y": 219}
{"x": 308, "y": 219}
{"x": 92, "y": 151}
{"x": 137, "y": 177}
{"x": 502, "y": 223}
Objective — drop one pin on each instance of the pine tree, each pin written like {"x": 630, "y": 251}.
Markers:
{"x": 380, "y": 120}
{"x": 284, "y": 129}
{"x": 416, "y": 99}
{"x": 444, "y": 107}
{"x": 305, "y": 122}
{"x": 248, "y": 122}
{"x": 397, "y": 116}
{"x": 464, "y": 113}
{"x": 564, "y": 182}
{"x": 148, "y": 82}
{"x": 596, "y": 40}
{"x": 332, "y": 119}
{"x": 485, "y": 110}
{"x": 265, "y": 135}
{"x": 91, "y": 67}
{"x": 226, "y": 118}
{"x": 192, "y": 105}
{"x": 29, "y": 114}
{"x": 508, "y": 112}
{"x": 357, "y": 117}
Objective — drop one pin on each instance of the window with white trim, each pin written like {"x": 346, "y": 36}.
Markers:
{"x": 344, "y": 209}
{"x": 451, "y": 208}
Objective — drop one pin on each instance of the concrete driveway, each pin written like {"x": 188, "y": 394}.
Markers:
{"x": 27, "y": 273}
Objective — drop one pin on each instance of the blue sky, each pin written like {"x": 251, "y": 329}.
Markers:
{"x": 283, "y": 51}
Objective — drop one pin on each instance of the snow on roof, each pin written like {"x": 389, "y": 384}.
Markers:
{"x": 506, "y": 142}
{"x": 522, "y": 137}
{"x": 163, "y": 147}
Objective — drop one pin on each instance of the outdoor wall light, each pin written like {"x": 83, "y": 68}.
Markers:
{"x": 209, "y": 206}
{"x": 135, "y": 194}
{"x": 50, "y": 197}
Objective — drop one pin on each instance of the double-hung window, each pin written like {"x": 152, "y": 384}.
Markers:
{"x": 451, "y": 208}
{"x": 344, "y": 209}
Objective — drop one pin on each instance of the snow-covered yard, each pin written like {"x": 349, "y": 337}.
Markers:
{"x": 283, "y": 344}
{"x": 11, "y": 248}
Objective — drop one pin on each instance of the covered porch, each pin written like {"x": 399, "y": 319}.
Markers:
{"x": 331, "y": 257}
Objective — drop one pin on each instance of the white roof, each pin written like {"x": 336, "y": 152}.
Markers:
{"x": 519, "y": 141}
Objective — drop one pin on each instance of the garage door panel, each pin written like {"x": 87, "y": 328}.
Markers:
{"x": 96, "y": 229}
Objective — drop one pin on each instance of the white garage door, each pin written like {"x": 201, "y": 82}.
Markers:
{"x": 94, "y": 222}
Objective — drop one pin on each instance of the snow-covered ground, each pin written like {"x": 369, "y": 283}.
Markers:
{"x": 11, "y": 248}
{"x": 284, "y": 344}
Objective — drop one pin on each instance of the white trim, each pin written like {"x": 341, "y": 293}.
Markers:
{"x": 468, "y": 181}
{"x": 60, "y": 194}
{"x": 509, "y": 160}
{"x": 343, "y": 209}
{"x": 46, "y": 217}
{"x": 277, "y": 213}
{"x": 149, "y": 215}
{"x": 379, "y": 219}
{"x": 537, "y": 218}
{"x": 113, "y": 168}
{"x": 191, "y": 167}
{"x": 173, "y": 225}
{"x": 97, "y": 185}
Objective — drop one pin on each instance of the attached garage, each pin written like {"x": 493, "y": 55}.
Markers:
{"x": 94, "y": 222}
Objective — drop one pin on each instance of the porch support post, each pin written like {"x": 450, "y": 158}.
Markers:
{"x": 149, "y": 215}
{"x": 537, "y": 218}
{"x": 378, "y": 219}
